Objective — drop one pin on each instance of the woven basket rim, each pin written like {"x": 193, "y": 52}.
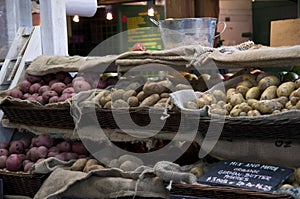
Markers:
{"x": 20, "y": 174}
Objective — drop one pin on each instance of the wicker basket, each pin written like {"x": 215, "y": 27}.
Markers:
{"x": 20, "y": 183}
{"x": 223, "y": 192}
{"x": 258, "y": 128}
{"x": 42, "y": 116}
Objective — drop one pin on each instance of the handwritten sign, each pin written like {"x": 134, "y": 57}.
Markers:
{"x": 255, "y": 176}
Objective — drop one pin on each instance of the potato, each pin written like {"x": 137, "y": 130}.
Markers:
{"x": 64, "y": 146}
{"x": 167, "y": 85}
{"x": 245, "y": 107}
{"x": 197, "y": 171}
{"x": 52, "y": 154}
{"x": 95, "y": 167}
{"x": 24, "y": 86}
{"x": 179, "y": 87}
{"x": 44, "y": 140}
{"x": 221, "y": 103}
{"x": 229, "y": 93}
{"x": 150, "y": 101}
{"x": 242, "y": 89}
{"x": 65, "y": 96}
{"x": 201, "y": 102}
{"x": 219, "y": 95}
{"x": 89, "y": 163}
{"x": 219, "y": 111}
{"x": 128, "y": 94}
{"x": 70, "y": 156}
{"x": 215, "y": 106}
{"x": 133, "y": 86}
{"x": 236, "y": 98}
{"x": 28, "y": 166}
{"x": 33, "y": 78}
{"x": 79, "y": 164}
{"x": 253, "y": 93}
{"x": 253, "y": 113}
{"x": 61, "y": 75}
{"x": 268, "y": 81}
{"x": 117, "y": 94}
{"x": 298, "y": 105}
{"x": 260, "y": 76}
{"x": 53, "y": 149}
{"x": 289, "y": 105}
{"x": 133, "y": 101}
{"x": 3, "y": 152}
{"x": 209, "y": 98}
{"x": 276, "y": 111}
{"x": 120, "y": 104}
{"x": 252, "y": 102}
{"x": 48, "y": 94}
{"x": 245, "y": 83}
{"x": 269, "y": 93}
{"x": 58, "y": 87}
{"x": 53, "y": 81}
{"x": 48, "y": 77}
{"x": 53, "y": 99}
{"x": 164, "y": 95}
{"x": 16, "y": 147}
{"x": 108, "y": 105}
{"x": 141, "y": 96}
{"x": 268, "y": 106}
{"x": 294, "y": 100}
{"x": 40, "y": 100}
{"x": 153, "y": 88}
{"x": 81, "y": 86}
{"x": 42, "y": 152}
{"x": 79, "y": 148}
{"x": 285, "y": 89}
{"x": 251, "y": 78}
{"x": 68, "y": 90}
{"x": 297, "y": 83}
{"x": 14, "y": 162}
{"x": 235, "y": 112}
{"x": 3, "y": 159}
{"x": 243, "y": 113}
{"x": 282, "y": 100}
{"x": 104, "y": 99}
{"x": 191, "y": 105}
{"x": 15, "y": 93}
{"x": 227, "y": 107}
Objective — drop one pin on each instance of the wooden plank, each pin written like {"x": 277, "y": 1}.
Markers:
{"x": 207, "y": 8}
{"x": 24, "y": 13}
{"x": 54, "y": 27}
{"x": 180, "y": 9}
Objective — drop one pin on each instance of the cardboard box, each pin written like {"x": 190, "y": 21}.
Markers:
{"x": 285, "y": 33}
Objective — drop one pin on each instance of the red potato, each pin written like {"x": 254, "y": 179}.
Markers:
{"x": 65, "y": 96}
{"x": 54, "y": 99}
{"x": 14, "y": 162}
{"x": 70, "y": 156}
{"x": 53, "y": 81}
{"x": 33, "y": 142}
{"x": 52, "y": 154}
{"x": 44, "y": 140}
{"x": 81, "y": 86}
{"x": 24, "y": 86}
{"x": 43, "y": 89}
{"x": 3, "y": 152}
{"x": 42, "y": 152}
{"x": 61, "y": 156}
{"x": 26, "y": 142}
{"x": 47, "y": 95}
{"x": 25, "y": 162}
{"x": 58, "y": 87}
{"x": 22, "y": 156}
{"x": 79, "y": 148}
{"x": 53, "y": 149}
{"x": 28, "y": 166}
{"x": 3, "y": 159}
{"x": 16, "y": 147}
{"x": 61, "y": 75}
{"x": 68, "y": 79}
{"x": 16, "y": 93}
{"x": 79, "y": 78}
{"x": 31, "y": 98}
{"x": 34, "y": 88}
{"x": 33, "y": 78}
{"x": 26, "y": 95}
{"x": 64, "y": 146}
{"x": 48, "y": 77}
{"x": 68, "y": 90}
{"x": 40, "y": 99}
{"x": 4, "y": 145}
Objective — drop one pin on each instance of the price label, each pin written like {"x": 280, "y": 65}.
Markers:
{"x": 255, "y": 176}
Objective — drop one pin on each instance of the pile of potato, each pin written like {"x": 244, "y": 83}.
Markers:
{"x": 86, "y": 165}
{"x": 21, "y": 155}
{"x": 256, "y": 94}
{"x": 58, "y": 87}
{"x": 135, "y": 94}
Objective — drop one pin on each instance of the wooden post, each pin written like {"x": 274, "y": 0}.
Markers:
{"x": 180, "y": 9}
{"x": 207, "y": 8}
{"x": 54, "y": 27}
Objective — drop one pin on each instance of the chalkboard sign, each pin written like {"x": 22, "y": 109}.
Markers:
{"x": 255, "y": 176}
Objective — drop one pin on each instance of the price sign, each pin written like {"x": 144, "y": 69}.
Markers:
{"x": 255, "y": 176}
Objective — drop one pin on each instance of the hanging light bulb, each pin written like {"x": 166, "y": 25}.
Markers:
{"x": 76, "y": 18}
{"x": 109, "y": 15}
{"x": 150, "y": 8}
